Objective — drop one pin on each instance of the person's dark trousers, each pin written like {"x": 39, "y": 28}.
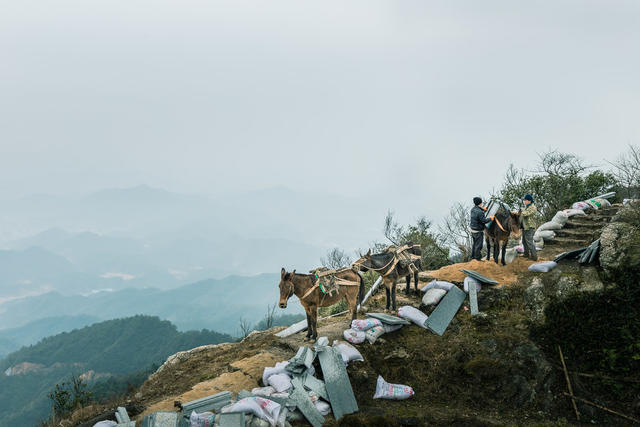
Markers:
{"x": 529, "y": 247}
{"x": 476, "y": 248}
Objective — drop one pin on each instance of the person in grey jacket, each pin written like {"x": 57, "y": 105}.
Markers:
{"x": 478, "y": 222}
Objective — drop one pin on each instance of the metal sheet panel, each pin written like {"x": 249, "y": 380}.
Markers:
{"x": 389, "y": 319}
{"x": 337, "y": 383}
{"x": 304, "y": 404}
{"x": 479, "y": 277}
{"x": 161, "y": 419}
{"x": 473, "y": 298}
{"x": 235, "y": 419}
{"x": 570, "y": 254}
{"x": 439, "y": 320}
{"x": 317, "y": 386}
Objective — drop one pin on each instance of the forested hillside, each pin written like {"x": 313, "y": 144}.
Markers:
{"x": 104, "y": 350}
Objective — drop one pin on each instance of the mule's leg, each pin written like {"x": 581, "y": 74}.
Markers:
{"x": 309, "y": 326}
{"x": 408, "y": 280}
{"x": 504, "y": 251}
{"x": 388, "y": 291}
{"x": 415, "y": 282}
{"x": 488, "y": 241}
{"x": 314, "y": 322}
{"x": 352, "y": 302}
{"x": 393, "y": 294}
{"x": 496, "y": 250}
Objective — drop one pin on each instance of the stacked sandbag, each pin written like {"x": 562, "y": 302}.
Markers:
{"x": 435, "y": 291}
{"x": 547, "y": 230}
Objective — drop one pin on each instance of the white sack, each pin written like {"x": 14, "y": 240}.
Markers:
{"x": 560, "y": 218}
{"x": 433, "y": 296}
{"x": 203, "y": 419}
{"x": 510, "y": 255}
{"x": 348, "y": 352}
{"x": 542, "y": 267}
{"x": 390, "y": 328}
{"x": 470, "y": 281}
{"x": 263, "y": 391}
{"x": 374, "y": 333}
{"x": 437, "y": 284}
{"x": 105, "y": 423}
{"x": 364, "y": 324}
{"x": 580, "y": 205}
{"x": 280, "y": 382}
{"x": 323, "y": 407}
{"x": 353, "y": 336}
{"x": 573, "y": 212}
{"x": 551, "y": 225}
{"x": 278, "y": 369}
{"x": 384, "y": 390}
{"x": 260, "y": 407}
{"x": 413, "y": 314}
{"x": 546, "y": 235}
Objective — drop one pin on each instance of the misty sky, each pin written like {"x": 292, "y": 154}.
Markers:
{"x": 419, "y": 103}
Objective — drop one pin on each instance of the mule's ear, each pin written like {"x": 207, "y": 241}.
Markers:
{"x": 293, "y": 272}
{"x": 282, "y": 273}
{"x": 368, "y": 254}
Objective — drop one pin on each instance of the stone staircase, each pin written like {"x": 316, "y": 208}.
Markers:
{"x": 579, "y": 231}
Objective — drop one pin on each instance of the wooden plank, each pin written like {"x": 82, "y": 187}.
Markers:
{"x": 446, "y": 310}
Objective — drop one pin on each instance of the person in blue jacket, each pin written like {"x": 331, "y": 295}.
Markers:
{"x": 478, "y": 222}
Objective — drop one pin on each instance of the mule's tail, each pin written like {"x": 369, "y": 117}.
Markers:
{"x": 361, "y": 290}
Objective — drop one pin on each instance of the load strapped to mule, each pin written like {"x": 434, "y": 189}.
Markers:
{"x": 495, "y": 207}
{"x": 405, "y": 257}
{"x": 327, "y": 281}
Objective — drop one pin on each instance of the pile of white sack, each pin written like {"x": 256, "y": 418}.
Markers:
{"x": 369, "y": 329}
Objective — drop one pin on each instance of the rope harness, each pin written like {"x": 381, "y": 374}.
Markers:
{"x": 399, "y": 254}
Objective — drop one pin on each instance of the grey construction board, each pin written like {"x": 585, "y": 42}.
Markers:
{"x": 473, "y": 298}
{"x": 235, "y": 419}
{"x": 124, "y": 417}
{"x": 127, "y": 424}
{"x": 596, "y": 251}
{"x": 445, "y": 311}
{"x": 479, "y": 277}
{"x": 336, "y": 381}
{"x": 389, "y": 319}
{"x": 161, "y": 419}
{"x": 304, "y": 404}
{"x": 209, "y": 403}
{"x": 282, "y": 401}
{"x": 293, "y": 329}
{"x": 302, "y": 361}
{"x": 317, "y": 386}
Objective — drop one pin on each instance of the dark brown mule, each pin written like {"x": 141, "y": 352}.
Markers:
{"x": 311, "y": 296}
{"x": 504, "y": 225}
{"x": 388, "y": 266}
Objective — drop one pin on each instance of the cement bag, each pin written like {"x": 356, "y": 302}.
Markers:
{"x": 374, "y": 333}
{"x": 539, "y": 245}
{"x": 263, "y": 391}
{"x": 390, "y": 328}
{"x": 348, "y": 352}
{"x": 509, "y": 255}
{"x": 323, "y": 407}
{"x": 542, "y": 267}
{"x": 105, "y": 423}
{"x": 384, "y": 390}
{"x": 536, "y": 239}
{"x": 546, "y": 234}
{"x": 353, "y": 336}
{"x": 437, "y": 284}
{"x": 364, "y": 324}
{"x": 470, "y": 281}
{"x": 283, "y": 395}
{"x": 580, "y": 205}
{"x": 573, "y": 212}
{"x": 433, "y": 296}
{"x": 204, "y": 419}
{"x": 280, "y": 382}
{"x": 560, "y": 218}
{"x": 278, "y": 369}
{"x": 413, "y": 314}
{"x": 260, "y": 407}
{"x": 550, "y": 226}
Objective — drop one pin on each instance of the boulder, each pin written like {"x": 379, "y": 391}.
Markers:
{"x": 620, "y": 249}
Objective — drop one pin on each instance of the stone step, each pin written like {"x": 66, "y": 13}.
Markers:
{"x": 590, "y": 225}
{"x": 569, "y": 242}
{"x": 578, "y": 233}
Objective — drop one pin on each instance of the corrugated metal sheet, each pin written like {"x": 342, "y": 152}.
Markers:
{"x": 389, "y": 319}
{"x": 304, "y": 404}
{"x": 337, "y": 383}
{"x": 479, "y": 277}
{"x": 439, "y": 320}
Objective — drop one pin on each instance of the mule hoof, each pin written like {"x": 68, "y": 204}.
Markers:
{"x": 305, "y": 339}
{"x": 312, "y": 340}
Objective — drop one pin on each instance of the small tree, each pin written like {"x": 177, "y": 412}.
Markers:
{"x": 245, "y": 327}
{"x": 626, "y": 169}
{"x": 336, "y": 259}
{"x": 69, "y": 396}
{"x": 270, "y": 316}
{"x": 455, "y": 231}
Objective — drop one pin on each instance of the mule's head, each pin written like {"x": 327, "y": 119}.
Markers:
{"x": 286, "y": 287}
{"x": 359, "y": 263}
{"x": 515, "y": 223}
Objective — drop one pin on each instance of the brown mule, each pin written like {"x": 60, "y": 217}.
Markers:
{"x": 504, "y": 225}
{"x": 305, "y": 287}
{"x": 386, "y": 264}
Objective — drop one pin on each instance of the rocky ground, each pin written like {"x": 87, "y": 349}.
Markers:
{"x": 485, "y": 370}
